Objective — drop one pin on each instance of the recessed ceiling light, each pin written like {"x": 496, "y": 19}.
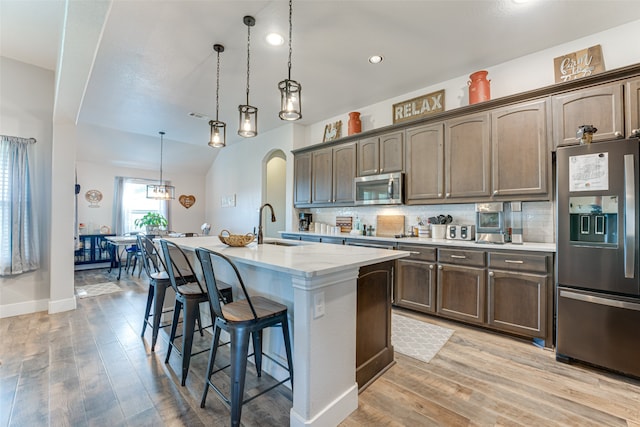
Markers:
{"x": 376, "y": 59}
{"x": 275, "y": 39}
{"x": 520, "y": 1}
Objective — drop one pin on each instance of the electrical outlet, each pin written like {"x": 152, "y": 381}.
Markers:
{"x": 318, "y": 305}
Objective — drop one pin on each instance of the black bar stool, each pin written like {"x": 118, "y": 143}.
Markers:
{"x": 189, "y": 295}
{"x": 248, "y": 316}
{"x": 159, "y": 281}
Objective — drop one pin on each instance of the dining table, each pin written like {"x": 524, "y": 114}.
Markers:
{"x": 118, "y": 244}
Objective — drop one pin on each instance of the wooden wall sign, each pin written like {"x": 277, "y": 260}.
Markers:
{"x": 418, "y": 107}
{"x": 581, "y": 63}
{"x": 332, "y": 131}
{"x": 187, "y": 201}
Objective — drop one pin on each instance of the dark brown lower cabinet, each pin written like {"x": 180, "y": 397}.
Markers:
{"x": 462, "y": 293}
{"x": 374, "y": 352}
{"x": 416, "y": 286}
{"x": 518, "y": 303}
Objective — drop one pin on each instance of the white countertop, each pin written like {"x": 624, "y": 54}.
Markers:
{"x": 305, "y": 259}
{"x": 527, "y": 246}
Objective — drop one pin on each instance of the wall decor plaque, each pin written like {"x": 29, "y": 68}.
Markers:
{"x": 93, "y": 197}
{"x": 187, "y": 200}
{"x": 418, "y": 107}
{"x": 575, "y": 65}
{"x": 332, "y": 131}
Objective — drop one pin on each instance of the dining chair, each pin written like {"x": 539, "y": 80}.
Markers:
{"x": 189, "y": 294}
{"x": 242, "y": 318}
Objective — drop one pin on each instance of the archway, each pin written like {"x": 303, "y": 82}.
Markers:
{"x": 274, "y": 191}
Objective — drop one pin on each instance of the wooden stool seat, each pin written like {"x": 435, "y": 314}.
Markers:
{"x": 240, "y": 311}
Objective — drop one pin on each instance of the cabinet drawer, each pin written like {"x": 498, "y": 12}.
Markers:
{"x": 513, "y": 261}
{"x": 419, "y": 253}
{"x": 461, "y": 257}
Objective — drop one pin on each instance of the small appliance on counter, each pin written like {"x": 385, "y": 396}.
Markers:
{"x": 461, "y": 232}
{"x": 304, "y": 221}
{"x": 491, "y": 223}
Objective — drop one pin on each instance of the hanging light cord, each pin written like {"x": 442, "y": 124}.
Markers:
{"x": 217, "y": 84}
{"x": 161, "y": 145}
{"x": 290, "y": 31}
{"x": 248, "y": 57}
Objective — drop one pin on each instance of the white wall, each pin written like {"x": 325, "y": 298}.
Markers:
{"x": 238, "y": 170}
{"x": 26, "y": 110}
{"x": 97, "y": 176}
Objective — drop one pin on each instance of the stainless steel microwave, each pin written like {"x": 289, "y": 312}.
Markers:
{"x": 385, "y": 189}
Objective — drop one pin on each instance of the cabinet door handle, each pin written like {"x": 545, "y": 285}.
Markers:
{"x": 634, "y": 131}
{"x": 491, "y": 274}
{"x": 618, "y": 133}
{"x": 459, "y": 256}
{"x": 439, "y": 267}
{"x": 375, "y": 171}
{"x": 439, "y": 194}
{"x": 514, "y": 261}
{"x": 430, "y": 266}
{"x": 448, "y": 195}
{"x": 495, "y": 192}
{"x": 381, "y": 170}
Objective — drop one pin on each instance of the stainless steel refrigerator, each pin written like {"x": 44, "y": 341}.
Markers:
{"x": 598, "y": 296}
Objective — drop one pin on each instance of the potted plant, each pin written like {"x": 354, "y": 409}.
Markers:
{"x": 152, "y": 221}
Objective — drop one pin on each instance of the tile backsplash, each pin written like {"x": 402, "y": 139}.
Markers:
{"x": 537, "y": 217}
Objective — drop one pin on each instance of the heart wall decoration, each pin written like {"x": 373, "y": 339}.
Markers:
{"x": 187, "y": 201}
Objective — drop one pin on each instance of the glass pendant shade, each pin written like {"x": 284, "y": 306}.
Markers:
{"x": 218, "y": 134}
{"x": 290, "y": 107}
{"x": 161, "y": 191}
{"x": 248, "y": 121}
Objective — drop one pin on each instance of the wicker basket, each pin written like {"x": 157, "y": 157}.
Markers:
{"x": 235, "y": 239}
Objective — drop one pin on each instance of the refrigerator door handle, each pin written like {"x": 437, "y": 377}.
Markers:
{"x": 599, "y": 300}
{"x": 629, "y": 217}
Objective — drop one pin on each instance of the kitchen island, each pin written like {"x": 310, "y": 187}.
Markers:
{"x": 318, "y": 284}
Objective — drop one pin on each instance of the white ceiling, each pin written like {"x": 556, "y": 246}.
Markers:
{"x": 152, "y": 62}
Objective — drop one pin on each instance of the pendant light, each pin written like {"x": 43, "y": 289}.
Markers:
{"x": 218, "y": 137}
{"x": 161, "y": 191}
{"x": 290, "y": 90}
{"x": 248, "y": 115}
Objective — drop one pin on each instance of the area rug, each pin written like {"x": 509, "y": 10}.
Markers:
{"x": 417, "y": 339}
{"x": 87, "y": 291}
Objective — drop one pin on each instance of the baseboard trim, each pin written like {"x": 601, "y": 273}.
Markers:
{"x": 27, "y": 307}
{"x": 62, "y": 305}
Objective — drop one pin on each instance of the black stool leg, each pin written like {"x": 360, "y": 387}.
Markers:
{"x": 174, "y": 327}
{"x": 239, "y": 351}
{"x": 147, "y": 309}
{"x": 160, "y": 290}
{"x": 212, "y": 358}
{"x": 257, "y": 351}
{"x": 287, "y": 346}
{"x": 191, "y": 312}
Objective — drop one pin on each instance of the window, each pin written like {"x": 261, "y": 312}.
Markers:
{"x": 131, "y": 203}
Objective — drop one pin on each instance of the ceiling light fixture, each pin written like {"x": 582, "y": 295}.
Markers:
{"x": 218, "y": 136}
{"x": 161, "y": 191}
{"x": 275, "y": 39}
{"x": 248, "y": 114}
{"x": 376, "y": 59}
{"x": 290, "y": 90}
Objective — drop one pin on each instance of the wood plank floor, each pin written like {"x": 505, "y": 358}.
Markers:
{"x": 89, "y": 367}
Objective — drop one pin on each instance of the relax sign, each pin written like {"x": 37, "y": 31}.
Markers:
{"x": 419, "y": 107}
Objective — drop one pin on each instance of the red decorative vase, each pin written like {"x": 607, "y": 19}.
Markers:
{"x": 355, "y": 125}
{"x": 479, "y": 87}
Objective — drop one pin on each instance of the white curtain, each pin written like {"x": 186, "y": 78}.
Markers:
{"x": 18, "y": 226}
